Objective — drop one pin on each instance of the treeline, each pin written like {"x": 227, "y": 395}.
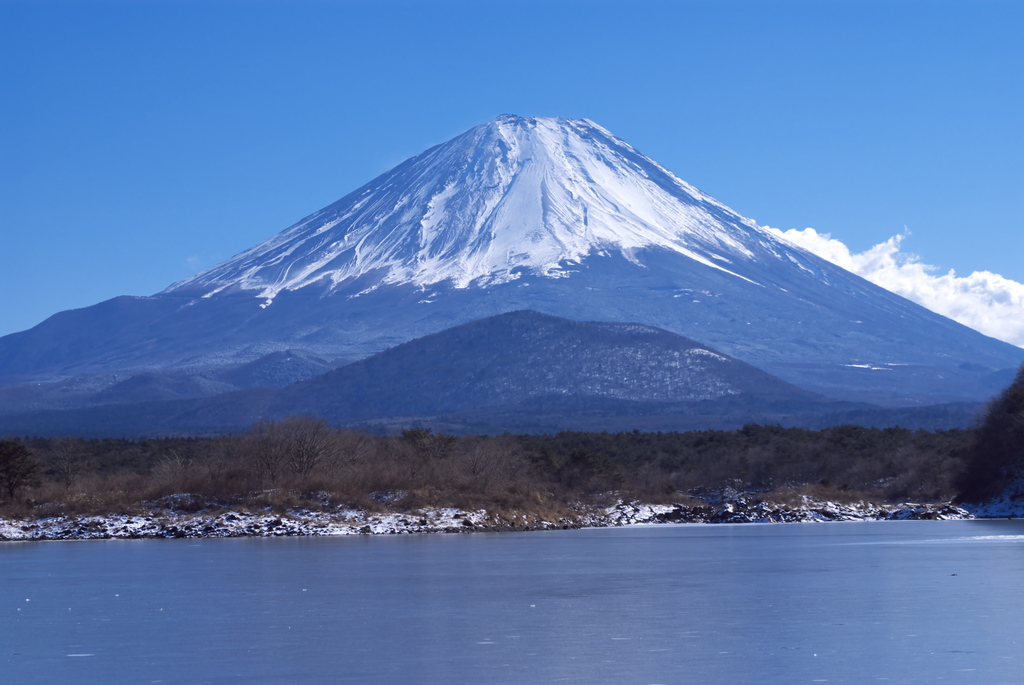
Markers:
{"x": 844, "y": 462}
{"x": 304, "y": 463}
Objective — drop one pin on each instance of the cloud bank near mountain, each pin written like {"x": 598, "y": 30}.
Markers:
{"x": 985, "y": 301}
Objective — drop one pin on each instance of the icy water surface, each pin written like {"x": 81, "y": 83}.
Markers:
{"x": 903, "y": 602}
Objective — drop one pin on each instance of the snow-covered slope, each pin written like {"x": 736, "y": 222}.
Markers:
{"x": 512, "y": 196}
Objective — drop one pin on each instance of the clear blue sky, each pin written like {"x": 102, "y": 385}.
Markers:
{"x": 143, "y": 141}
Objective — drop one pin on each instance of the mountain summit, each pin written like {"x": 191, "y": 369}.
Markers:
{"x": 553, "y": 215}
{"x": 512, "y": 197}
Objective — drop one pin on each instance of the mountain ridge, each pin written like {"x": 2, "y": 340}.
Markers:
{"x": 515, "y": 356}
{"x": 519, "y": 371}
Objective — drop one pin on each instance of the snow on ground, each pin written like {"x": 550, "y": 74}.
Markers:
{"x": 1010, "y": 504}
{"x": 744, "y": 510}
{"x": 168, "y": 523}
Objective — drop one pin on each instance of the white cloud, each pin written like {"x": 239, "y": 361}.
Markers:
{"x": 985, "y": 301}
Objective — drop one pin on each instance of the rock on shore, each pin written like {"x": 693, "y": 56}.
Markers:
{"x": 741, "y": 510}
{"x": 171, "y": 523}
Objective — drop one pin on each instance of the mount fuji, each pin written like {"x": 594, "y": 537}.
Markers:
{"x": 553, "y": 215}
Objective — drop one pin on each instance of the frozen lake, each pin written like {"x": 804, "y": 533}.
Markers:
{"x": 904, "y": 602}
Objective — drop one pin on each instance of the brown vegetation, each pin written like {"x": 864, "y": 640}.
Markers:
{"x": 303, "y": 463}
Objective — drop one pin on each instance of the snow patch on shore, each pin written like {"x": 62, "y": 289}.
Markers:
{"x": 168, "y": 523}
{"x": 1010, "y": 504}
{"x": 746, "y": 510}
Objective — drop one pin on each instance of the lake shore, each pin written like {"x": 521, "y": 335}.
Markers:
{"x": 170, "y": 522}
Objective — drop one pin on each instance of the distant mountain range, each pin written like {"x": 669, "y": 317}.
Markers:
{"x": 522, "y": 371}
{"x": 551, "y": 215}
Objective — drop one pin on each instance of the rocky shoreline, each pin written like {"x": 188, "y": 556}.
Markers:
{"x": 170, "y": 522}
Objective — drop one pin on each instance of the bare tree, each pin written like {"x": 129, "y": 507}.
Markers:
{"x": 174, "y": 471}
{"x": 70, "y": 459}
{"x": 297, "y": 445}
{"x": 262, "y": 446}
{"x": 490, "y": 462}
{"x": 349, "y": 451}
{"x": 430, "y": 446}
{"x": 306, "y": 441}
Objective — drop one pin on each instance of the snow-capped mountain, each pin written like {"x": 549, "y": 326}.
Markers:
{"x": 512, "y": 197}
{"x": 553, "y": 215}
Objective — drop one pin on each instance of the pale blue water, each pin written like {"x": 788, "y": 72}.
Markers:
{"x": 791, "y": 603}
